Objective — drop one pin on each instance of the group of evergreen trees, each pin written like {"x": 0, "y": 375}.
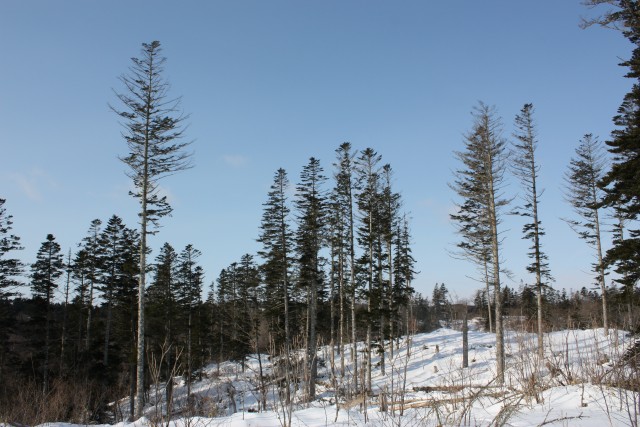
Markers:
{"x": 592, "y": 183}
{"x": 335, "y": 266}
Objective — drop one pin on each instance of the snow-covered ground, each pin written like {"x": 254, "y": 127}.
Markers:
{"x": 575, "y": 386}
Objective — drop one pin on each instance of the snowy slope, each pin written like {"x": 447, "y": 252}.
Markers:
{"x": 575, "y": 386}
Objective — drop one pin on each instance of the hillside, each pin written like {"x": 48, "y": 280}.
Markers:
{"x": 576, "y": 386}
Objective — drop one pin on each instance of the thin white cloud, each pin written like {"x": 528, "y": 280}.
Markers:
{"x": 30, "y": 183}
{"x": 235, "y": 160}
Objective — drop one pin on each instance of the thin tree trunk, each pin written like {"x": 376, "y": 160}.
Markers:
{"x": 497, "y": 289}
{"x": 390, "y": 296}
{"x": 47, "y": 339}
{"x": 486, "y": 283}
{"x": 369, "y": 305}
{"x": 89, "y": 310}
{"x": 342, "y": 318}
{"x": 107, "y": 331}
{"x": 141, "y": 287}
{"x": 313, "y": 371}
{"x": 381, "y": 308}
{"x": 465, "y": 337}
{"x": 63, "y": 337}
{"x": 603, "y": 286}
{"x": 189, "y": 366}
{"x": 332, "y": 315}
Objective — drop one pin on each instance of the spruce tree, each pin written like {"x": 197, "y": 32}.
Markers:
{"x": 91, "y": 248}
{"x": 344, "y": 241}
{"x": 526, "y": 169}
{"x": 479, "y": 182}
{"x": 582, "y": 192}
{"x": 621, "y": 181}
{"x": 277, "y": 246}
{"x": 368, "y": 202}
{"x": 10, "y": 268}
{"x": 111, "y": 263}
{"x": 47, "y": 269}
{"x": 163, "y": 312}
{"x": 403, "y": 271}
{"x": 190, "y": 278}
{"x": 152, "y": 129}
{"x": 311, "y": 213}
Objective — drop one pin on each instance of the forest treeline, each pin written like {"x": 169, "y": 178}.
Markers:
{"x": 109, "y": 318}
{"x": 335, "y": 267}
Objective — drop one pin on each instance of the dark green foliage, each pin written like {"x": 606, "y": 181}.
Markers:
{"x": 479, "y": 183}
{"x": 310, "y": 239}
{"x": 526, "y": 168}
{"x": 47, "y": 269}
{"x": 622, "y": 180}
{"x": 238, "y": 302}
{"x": 277, "y": 247}
{"x": 441, "y": 304}
{"x": 153, "y": 126}
{"x": 10, "y": 268}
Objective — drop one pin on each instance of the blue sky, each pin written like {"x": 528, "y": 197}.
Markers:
{"x": 269, "y": 84}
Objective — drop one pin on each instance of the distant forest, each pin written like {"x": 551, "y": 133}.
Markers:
{"x": 335, "y": 265}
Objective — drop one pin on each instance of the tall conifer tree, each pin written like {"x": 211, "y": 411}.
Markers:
{"x": 622, "y": 180}
{"x": 479, "y": 183}
{"x": 152, "y": 128}
{"x": 526, "y": 169}
{"x": 10, "y": 270}
{"x": 344, "y": 239}
{"x": 368, "y": 202}
{"x": 47, "y": 269}
{"x": 584, "y": 174}
{"x": 277, "y": 246}
{"x": 311, "y": 211}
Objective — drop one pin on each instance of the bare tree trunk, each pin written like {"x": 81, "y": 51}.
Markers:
{"x": 313, "y": 343}
{"x": 189, "y": 356}
{"x": 465, "y": 337}
{"x": 89, "y": 310}
{"x": 141, "y": 286}
{"x": 601, "y": 268}
{"x": 332, "y": 315}
{"x": 486, "y": 283}
{"x": 381, "y": 307}
{"x": 369, "y": 305}
{"x": 495, "y": 253}
{"x": 63, "y": 337}
{"x": 342, "y": 318}
{"x": 390, "y": 295}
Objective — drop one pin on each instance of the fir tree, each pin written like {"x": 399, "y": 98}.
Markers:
{"x": 152, "y": 128}
{"x": 585, "y": 196}
{"x": 479, "y": 183}
{"x": 90, "y": 246}
{"x": 48, "y": 268}
{"x": 368, "y": 202}
{"x": 311, "y": 212}
{"x": 344, "y": 244}
{"x": 622, "y": 180}
{"x": 111, "y": 261}
{"x": 10, "y": 268}
{"x": 277, "y": 245}
{"x": 190, "y": 278}
{"x": 526, "y": 169}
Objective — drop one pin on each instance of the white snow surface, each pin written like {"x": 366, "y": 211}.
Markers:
{"x": 574, "y": 386}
